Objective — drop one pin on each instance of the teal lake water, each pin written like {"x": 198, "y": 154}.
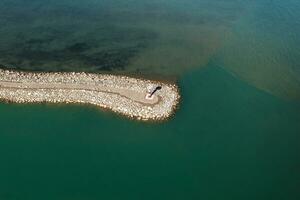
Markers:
{"x": 236, "y": 134}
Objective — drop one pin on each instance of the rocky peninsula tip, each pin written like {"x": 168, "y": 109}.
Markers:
{"x": 135, "y": 98}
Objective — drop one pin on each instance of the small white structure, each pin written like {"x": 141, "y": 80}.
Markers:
{"x": 151, "y": 89}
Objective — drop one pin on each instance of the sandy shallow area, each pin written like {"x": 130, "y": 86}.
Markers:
{"x": 121, "y": 94}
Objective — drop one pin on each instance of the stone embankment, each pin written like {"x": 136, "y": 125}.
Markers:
{"x": 121, "y": 94}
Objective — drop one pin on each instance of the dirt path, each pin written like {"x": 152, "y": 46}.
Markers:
{"x": 128, "y": 93}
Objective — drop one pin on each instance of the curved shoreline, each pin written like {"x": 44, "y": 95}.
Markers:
{"x": 121, "y": 94}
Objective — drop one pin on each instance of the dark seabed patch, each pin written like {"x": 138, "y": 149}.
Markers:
{"x": 43, "y": 54}
{"x": 156, "y": 37}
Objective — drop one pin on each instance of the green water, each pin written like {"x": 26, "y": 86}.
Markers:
{"x": 227, "y": 141}
{"x": 236, "y": 134}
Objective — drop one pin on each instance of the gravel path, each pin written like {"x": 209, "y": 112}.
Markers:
{"x": 121, "y": 94}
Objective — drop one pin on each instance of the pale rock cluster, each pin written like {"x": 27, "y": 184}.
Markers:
{"x": 120, "y": 94}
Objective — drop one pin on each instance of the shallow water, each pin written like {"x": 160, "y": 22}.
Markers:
{"x": 256, "y": 40}
{"x": 154, "y": 37}
{"x": 263, "y": 48}
{"x": 235, "y": 135}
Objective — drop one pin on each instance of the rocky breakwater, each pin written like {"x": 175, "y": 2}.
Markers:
{"x": 136, "y": 98}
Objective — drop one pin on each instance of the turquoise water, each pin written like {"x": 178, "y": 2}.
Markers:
{"x": 227, "y": 141}
{"x": 234, "y": 136}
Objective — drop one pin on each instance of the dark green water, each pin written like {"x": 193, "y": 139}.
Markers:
{"x": 236, "y": 134}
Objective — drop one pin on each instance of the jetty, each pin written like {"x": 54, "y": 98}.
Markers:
{"x": 136, "y": 98}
